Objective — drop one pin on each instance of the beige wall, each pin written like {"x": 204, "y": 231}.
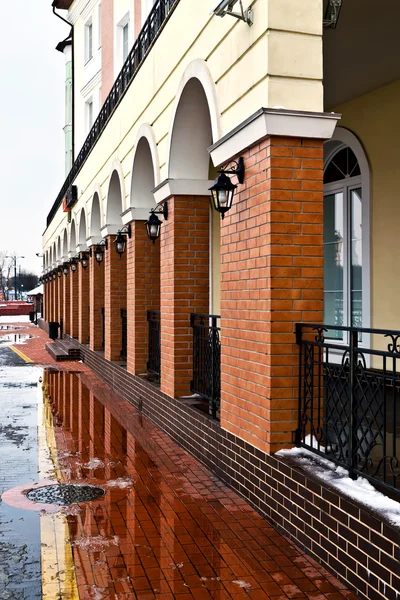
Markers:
{"x": 374, "y": 119}
{"x": 276, "y": 62}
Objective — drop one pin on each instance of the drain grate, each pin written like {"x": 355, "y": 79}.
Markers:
{"x": 65, "y": 494}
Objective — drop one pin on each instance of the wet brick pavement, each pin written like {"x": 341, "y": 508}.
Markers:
{"x": 167, "y": 527}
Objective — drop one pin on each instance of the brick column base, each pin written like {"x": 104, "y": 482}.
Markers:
{"x": 96, "y": 302}
{"x": 73, "y": 301}
{"x": 272, "y": 277}
{"x": 114, "y": 299}
{"x": 83, "y": 304}
{"x": 184, "y": 259}
{"x": 143, "y": 287}
{"x": 67, "y": 303}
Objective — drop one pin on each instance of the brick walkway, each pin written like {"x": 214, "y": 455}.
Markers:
{"x": 167, "y": 527}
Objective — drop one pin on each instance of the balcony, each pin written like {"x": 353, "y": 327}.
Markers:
{"x": 349, "y": 399}
{"x": 206, "y": 380}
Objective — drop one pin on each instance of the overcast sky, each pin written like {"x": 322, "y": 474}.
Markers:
{"x": 32, "y": 117}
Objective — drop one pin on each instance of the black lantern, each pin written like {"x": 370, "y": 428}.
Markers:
{"x": 73, "y": 264}
{"x": 59, "y": 271}
{"x": 223, "y": 190}
{"x": 84, "y": 260}
{"x": 65, "y": 268}
{"x": 98, "y": 251}
{"x": 153, "y": 225}
{"x": 120, "y": 240}
{"x": 54, "y": 274}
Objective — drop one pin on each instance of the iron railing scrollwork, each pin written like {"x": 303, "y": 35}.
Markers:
{"x": 207, "y": 359}
{"x": 151, "y": 29}
{"x": 349, "y": 399}
{"x": 124, "y": 334}
{"x": 154, "y": 356}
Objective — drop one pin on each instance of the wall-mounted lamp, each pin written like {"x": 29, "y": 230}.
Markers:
{"x": 84, "y": 260}
{"x": 225, "y": 7}
{"x": 223, "y": 190}
{"x": 59, "y": 271}
{"x": 54, "y": 274}
{"x": 65, "y": 268}
{"x": 120, "y": 240}
{"x": 73, "y": 263}
{"x": 332, "y": 12}
{"x": 153, "y": 225}
{"x": 98, "y": 250}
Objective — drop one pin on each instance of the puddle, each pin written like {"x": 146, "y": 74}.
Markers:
{"x": 16, "y": 338}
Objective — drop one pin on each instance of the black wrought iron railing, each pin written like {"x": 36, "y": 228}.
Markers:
{"x": 124, "y": 334}
{"x": 207, "y": 359}
{"x": 349, "y": 399}
{"x": 151, "y": 29}
{"x": 154, "y": 362}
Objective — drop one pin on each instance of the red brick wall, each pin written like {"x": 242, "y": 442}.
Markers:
{"x": 96, "y": 293}
{"x": 272, "y": 277}
{"x": 143, "y": 288}
{"x": 115, "y": 299}
{"x": 66, "y": 303}
{"x": 107, "y": 47}
{"x": 137, "y": 12}
{"x": 83, "y": 304}
{"x": 73, "y": 302}
{"x": 184, "y": 259}
{"x": 60, "y": 298}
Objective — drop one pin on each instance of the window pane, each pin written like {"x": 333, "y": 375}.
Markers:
{"x": 333, "y": 313}
{"x": 356, "y": 257}
{"x": 90, "y": 41}
{"x": 333, "y": 262}
{"x": 125, "y": 42}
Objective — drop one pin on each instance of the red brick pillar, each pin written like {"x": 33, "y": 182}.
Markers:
{"x": 59, "y": 298}
{"x": 50, "y": 300}
{"x": 96, "y": 302}
{"x": 73, "y": 302}
{"x": 83, "y": 304}
{"x": 67, "y": 303}
{"x": 143, "y": 288}
{"x": 54, "y": 298}
{"x": 45, "y": 301}
{"x": 114, "y": 299}
{"x": 272, "y": 278}
{"x": 184, "y": 259}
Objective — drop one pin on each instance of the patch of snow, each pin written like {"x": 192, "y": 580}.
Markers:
{"x": 94, "y": 463}
{"x": 121, "y": 482}
{"x": 95, "y": 543}
{"x": 242, "y": 584}
{"x": 338, "y": 477}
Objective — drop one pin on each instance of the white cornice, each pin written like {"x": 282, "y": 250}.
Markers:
{"x": 181, "y": 187}
{"x": 92, "y": 84}
{"x": 272, "y": 121}
{"x": 135, "y": 214}
{"x": 81, "y": 9}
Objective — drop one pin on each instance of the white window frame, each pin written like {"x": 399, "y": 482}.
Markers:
{"x": 118, "y": 40}
{"x": 146, "y": 7}
{"x": 88, "y": 54}
{"x": 89, "y": 103}
{"x": 343, "y": 137}
{"x": 99, "y": 22}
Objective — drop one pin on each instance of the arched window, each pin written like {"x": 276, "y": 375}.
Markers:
{"x": 346, "y": 238}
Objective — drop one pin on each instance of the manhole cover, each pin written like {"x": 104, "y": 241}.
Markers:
{"x": 65, "y": 494}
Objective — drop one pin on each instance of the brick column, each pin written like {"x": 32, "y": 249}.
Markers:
{"x": 60, "y": 298}
{"x": 96, "y": 302}
{"x": 114, "y": 299}
{"x": 54, "y": 298}
{"x": 50, "y": 301}
{"x": 45, "y": 301}
{"x": 83, "y": 304}
{"x": 143, "y": 288}
{"x": 184, "y": 259}
{"x": 272, "y": 277}
{"x": 73, "y": 302}
{"x": 66, "y": 303}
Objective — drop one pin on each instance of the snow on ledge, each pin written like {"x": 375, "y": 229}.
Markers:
{"x": 360, "y": 489}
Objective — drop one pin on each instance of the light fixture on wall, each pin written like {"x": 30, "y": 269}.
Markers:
{"x": 84, "y": 260}
{"x": 225, "y": 7}
{"x": 153, "y": 225}
{"x": 59, "y": 272}
{"x": 120, "y": 240}
{"x": 54, "y": 274}
{"x": 65, "y": 268}
{"x": 73, "y": 263}
{"x": 332, "y": 14}
{"x": 98, "y": 251}
{"x": 223, "y": 190}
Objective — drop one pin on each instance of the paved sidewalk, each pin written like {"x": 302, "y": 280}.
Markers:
{"x": 167, "y": 527}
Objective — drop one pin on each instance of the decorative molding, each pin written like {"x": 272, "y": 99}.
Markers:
{"x": 134, "y": 214}
{"x": 109, "y": 230}
{"x": 272, "y": 121}
{"x": 182, "y": 187}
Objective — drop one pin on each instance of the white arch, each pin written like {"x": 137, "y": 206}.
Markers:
{"x": 59, "y": 247}
{"x": 82, "y": 229}
{"x": 344, "y": 137}
{"x": 115, "y": 195}
{"x": 72, "y": 237}
{"x": 146, "y": 131}
{"x": 65, "y": 243}
{"x": 95, "y": 215}
{"x": 197, "y": 70}
{"x": 145, "y": 173}
{"x": 54, "y": 253}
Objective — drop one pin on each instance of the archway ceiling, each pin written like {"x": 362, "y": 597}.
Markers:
{"x": 362, "y": 53}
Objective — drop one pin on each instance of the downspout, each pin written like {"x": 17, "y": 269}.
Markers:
{"x": 71, "y": 35}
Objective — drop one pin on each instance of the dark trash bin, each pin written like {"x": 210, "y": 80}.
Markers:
{"x": 53, "y": 330}
{"x": 32, "y": 316}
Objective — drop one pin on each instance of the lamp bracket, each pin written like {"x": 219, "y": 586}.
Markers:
{"x": 163, "y": 210}
{"x": 332, "y": 14}
{"x": 225, "y": 7}
{"x": 103, "y": 243}
{"x": 127, "y": 230}
{"x": 238, "y": 171}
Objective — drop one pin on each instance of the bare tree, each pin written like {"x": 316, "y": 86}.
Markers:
{"x": 5, "y": 270}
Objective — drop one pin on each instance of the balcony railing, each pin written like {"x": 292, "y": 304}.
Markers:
{"x": 154, "y": 362}
{"x": 349, "y": 393}
{"x": 149, "y": 33}
{"x": 207, "y": 359}
{"x": 124, "y": 334}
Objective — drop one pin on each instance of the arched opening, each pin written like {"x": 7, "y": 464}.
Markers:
{"x": 65, "y": 244}
{"x": 114, "y": 201}
{"x": 59, "y": 247}
{"x": 95, "y": 217}
{"x": 82, "y": 231}
{"x": 72, "y": 238}
{"x": 143, "y": 181}
{"x": 346, "y": 234}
